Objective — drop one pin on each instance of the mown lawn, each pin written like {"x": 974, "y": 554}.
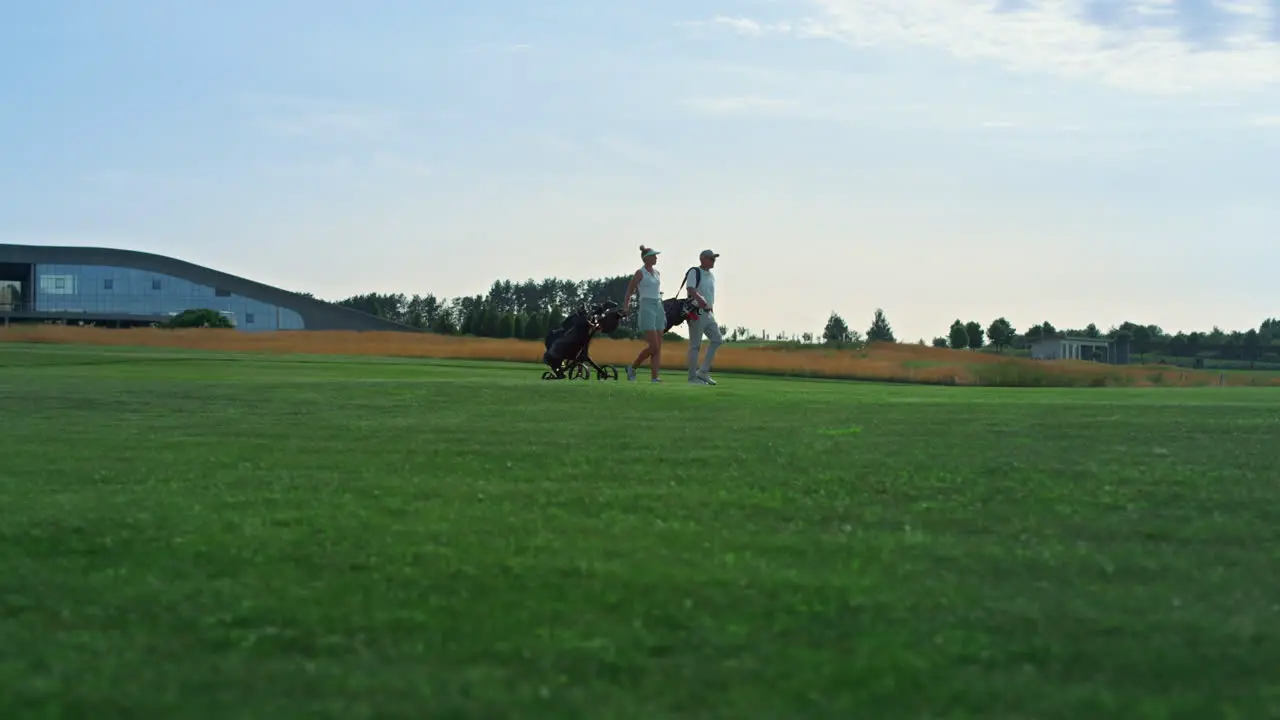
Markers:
{"x": 198, "y": 536}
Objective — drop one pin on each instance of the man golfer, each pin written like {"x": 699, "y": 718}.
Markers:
{"x": 700, "y": 282}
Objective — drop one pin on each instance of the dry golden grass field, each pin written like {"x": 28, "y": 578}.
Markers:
{"x": 880, "y": 362}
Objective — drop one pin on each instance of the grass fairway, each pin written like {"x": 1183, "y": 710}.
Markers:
{"x": 214, "y": 536}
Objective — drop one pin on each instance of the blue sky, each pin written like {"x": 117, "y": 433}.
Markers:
{"x": 1068, "y": 160}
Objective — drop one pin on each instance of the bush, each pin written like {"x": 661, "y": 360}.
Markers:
{"x": 199, "y": 318}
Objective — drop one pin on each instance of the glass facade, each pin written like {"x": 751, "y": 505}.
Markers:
{"x": 127, "y": 291}
{"x": 10, "y": 295}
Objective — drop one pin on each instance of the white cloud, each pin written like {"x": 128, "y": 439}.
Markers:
{"x": 748, "y": 27}
{"x": 735, "y": 104}
{"x": 323, "y": 124}
{"x": 629, "y": 151}
{"x": 316, "y": 119}
{"x": 611, "y": 148}
{"x": 1140, "y": 47}
{"x": 745, "y": 26}
{"x": 1267, "y": 121}
{"x": 402, "y": 164}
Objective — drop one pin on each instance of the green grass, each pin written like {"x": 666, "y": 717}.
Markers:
{"x": 198, "y": 536}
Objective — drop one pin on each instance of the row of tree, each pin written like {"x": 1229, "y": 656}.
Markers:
{"x": 509, "y": 310}
{"x": 837, "y": 332}
{"x": 525, "y": 310}
{"x": 1142, "y": 339}
{"x": 529, "y": 309}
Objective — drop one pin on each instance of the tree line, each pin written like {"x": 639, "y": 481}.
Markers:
{"x": 529, "y": 309}
{"x": 1247, "y": 345}
{"x": 522, "y": 310}
{"x": 1261, "y": 343}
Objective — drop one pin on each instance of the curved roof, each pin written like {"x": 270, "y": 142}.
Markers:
{"x": 316, "y": 314}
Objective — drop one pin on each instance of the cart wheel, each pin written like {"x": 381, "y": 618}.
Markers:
{"x": 608, "y": 372}
{"x": 548, "y": 375}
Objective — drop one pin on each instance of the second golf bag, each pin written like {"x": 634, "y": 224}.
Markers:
{"x": 567, "y": 346}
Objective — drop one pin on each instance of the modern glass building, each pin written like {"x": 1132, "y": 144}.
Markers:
{"x": 106, "y": 290}
{"x": 126, "y": 288}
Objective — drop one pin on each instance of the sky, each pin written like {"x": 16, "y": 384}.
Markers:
{"x": 1073, "y": 161}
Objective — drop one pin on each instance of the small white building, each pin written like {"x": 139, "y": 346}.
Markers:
{"x": 1076, "y": 348}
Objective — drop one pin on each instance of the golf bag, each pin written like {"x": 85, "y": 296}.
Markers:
{"x": 567, "y": 346}
{"x": 677, "y": 311}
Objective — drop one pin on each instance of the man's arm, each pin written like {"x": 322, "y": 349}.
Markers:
{"x": 697, "y": 297}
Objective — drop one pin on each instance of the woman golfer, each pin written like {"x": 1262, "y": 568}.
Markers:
{"x": 651, "y": 319}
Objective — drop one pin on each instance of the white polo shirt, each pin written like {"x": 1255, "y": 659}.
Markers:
{"x": 707, "y": 289}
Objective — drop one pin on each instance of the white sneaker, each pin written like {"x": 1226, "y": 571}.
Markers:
{"x": 705, "y": 378}
{"x": 697, "y": 381}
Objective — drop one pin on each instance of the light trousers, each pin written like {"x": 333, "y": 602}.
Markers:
{"x": 705, "y": 325}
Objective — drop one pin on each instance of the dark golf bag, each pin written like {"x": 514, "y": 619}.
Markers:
{"x": 680, "y": 310}
{"x": 677, "y": 311}
{"x": 566, "y": 346}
